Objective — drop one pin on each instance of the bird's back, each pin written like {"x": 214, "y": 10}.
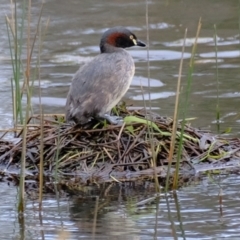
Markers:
{"x": 99, "y": 85}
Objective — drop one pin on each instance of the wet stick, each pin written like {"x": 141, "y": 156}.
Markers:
{"x": 41, "y": 171}
{"x": 184, "y": 113}
{"x": 170, "y": 218}
{"x": 185, "y": 107}
{"x": 96, "y": 209}
{"x": 157, "y": 213}
{"x": 41, "y": 157}
{"x": 179, "y": 214}
{"x": 150, "y": 128}
{"x": 175, "y": 118}
{"x": 217, "y": 81}
{"x": 27, "y": 79}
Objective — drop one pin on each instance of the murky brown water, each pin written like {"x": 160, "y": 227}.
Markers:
{"x": 72, "y": 39}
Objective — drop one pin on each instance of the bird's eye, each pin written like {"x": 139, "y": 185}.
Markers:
{"x": 133, "y": 39}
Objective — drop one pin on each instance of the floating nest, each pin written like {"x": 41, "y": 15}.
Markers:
{"x": 136, "y": 151}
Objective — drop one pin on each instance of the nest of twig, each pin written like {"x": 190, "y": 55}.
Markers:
{"x": 100, "y": 153}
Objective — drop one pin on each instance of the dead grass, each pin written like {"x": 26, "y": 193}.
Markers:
{"x": 75, "y": 156}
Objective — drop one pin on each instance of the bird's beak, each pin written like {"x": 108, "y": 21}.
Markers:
{"x": 140, "y": 44}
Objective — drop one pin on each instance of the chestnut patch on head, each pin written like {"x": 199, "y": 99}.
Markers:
{"x": 120, "y": 40}
{"x": 112, "y": 38}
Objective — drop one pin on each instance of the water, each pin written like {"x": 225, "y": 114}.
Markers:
{"x": 72, "y": 38}
{"x": 193, "y": 213}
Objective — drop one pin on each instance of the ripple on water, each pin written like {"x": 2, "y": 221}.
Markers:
{"x": 153, "y": 95}
{"x": 142, "y": 81}
{"x": 138, "y": 55}
{"x": 221, "y": 54}
{"x": 69, "y": 59}
{"x": 190, "y": 41}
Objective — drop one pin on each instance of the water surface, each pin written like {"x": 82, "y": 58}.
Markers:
{"x": 72, "y": 39}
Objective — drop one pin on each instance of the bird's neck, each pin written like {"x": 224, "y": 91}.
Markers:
{"x": 107, "y": 48}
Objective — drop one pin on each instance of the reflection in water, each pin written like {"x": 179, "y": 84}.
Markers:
{"x": 72, "y": 39}
{"x": 193, "y": 212}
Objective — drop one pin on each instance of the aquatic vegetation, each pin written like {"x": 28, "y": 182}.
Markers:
{"x": 75, "y": 156}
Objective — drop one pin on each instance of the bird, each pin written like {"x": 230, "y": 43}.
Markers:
{"x": 100, "y": 84}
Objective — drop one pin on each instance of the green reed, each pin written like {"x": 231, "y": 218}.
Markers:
{"x": 185, "y": 108}
{"x": 186, "y": 103}
{"x": 21, "y": 51}
{"x": 15, "y": 29}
